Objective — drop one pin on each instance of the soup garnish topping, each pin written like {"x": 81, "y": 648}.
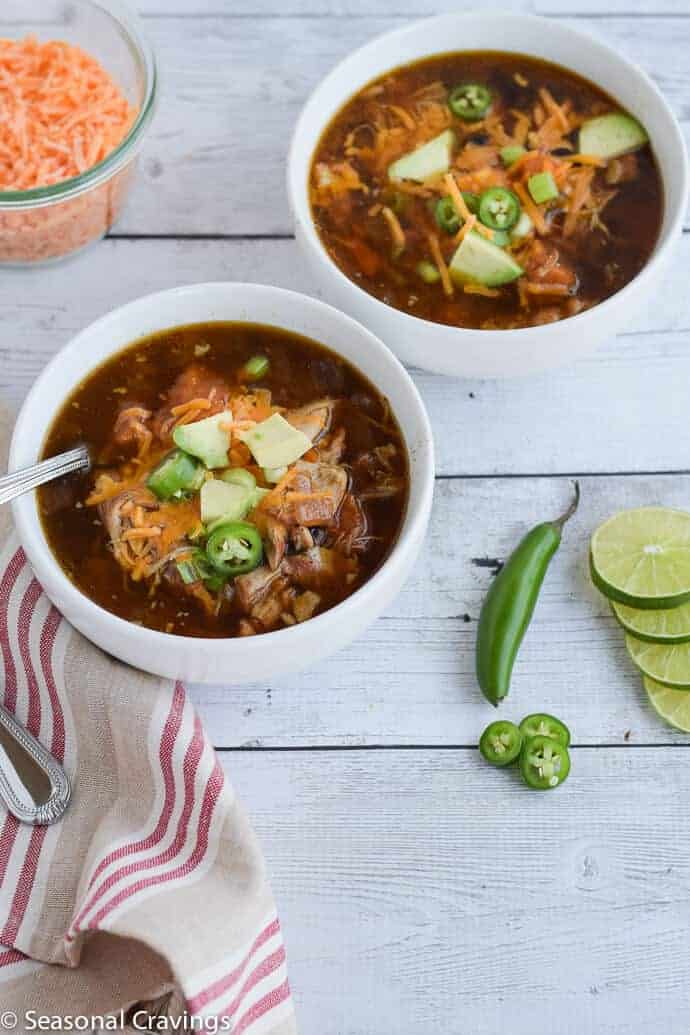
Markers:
{"x": 233, "y": 494}
{"x": 486, "y": 190}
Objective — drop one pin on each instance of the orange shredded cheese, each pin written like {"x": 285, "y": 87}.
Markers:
{"x": 462, "y": 209}
{"x": 554, "y": 108}
{"x": 480, "y": 289}
{"x": 441, "y": 264}
{"x": 191, "y": 404}
{"x": 149, "y": 532}
{"x": 397, "y": 232}
{"x": 531, "y": 209}
{"x": 61, "y": 113}
{"x": 579, "y": 159}
{"x": 580, "y": 195}
{"x": 547, "y": 289}
{"x": 464, "y": 230}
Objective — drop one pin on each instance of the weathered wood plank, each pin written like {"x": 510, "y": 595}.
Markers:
{"x": 537, "y": 425}
{"x": 233, "y": 87}
{"x": 410, "y": 8}
{"x": 424, "y": 892}
{"x": 410, "y": 679}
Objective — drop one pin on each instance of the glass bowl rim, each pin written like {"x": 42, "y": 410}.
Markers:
{"x": 131, "y": 27}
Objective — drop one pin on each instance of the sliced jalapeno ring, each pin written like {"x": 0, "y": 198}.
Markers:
{"x": 500, "y": 742}
{"x": 499, "y": 208}
{"x": 234, "y": 548}
{"x": 470, "y": 101}
{"x": 446, "y": 215}
{"x": 544, "y": 763}
{"x": 542, "y": 725}
{"x": 472, "y": 201}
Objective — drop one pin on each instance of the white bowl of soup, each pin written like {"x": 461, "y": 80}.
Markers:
{"x": 489, "y": 212}
{"x": 261, "y": 483}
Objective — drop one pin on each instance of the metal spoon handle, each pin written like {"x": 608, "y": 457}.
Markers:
{"x": 33, "y": 785}
{"x": 12, "y": 485}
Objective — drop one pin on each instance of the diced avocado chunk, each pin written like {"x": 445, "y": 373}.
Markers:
{"x": 273, "y": 475}
{"x": 609, "y": 136}
{"x": 209, "y": 439}
{"x": 223, "y": 500}
{"x": 431, "y": 159}
{"x": 239, "y": 476}
{"x": 478, "y": 261}
{"x": 275, "y": 443}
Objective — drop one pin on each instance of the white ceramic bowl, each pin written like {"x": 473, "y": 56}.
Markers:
{"x": 248, "y": 659}
{"x": 476, "y": 353}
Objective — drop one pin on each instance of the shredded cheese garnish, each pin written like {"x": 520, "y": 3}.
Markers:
{"x": 441, "y": 263}
{"x": 61, "y": 113}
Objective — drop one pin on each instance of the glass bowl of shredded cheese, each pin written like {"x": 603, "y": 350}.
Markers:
{"x": 77, "y": 95}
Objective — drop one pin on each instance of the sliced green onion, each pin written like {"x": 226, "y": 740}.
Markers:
{"x": 542, "y": 187}
{"x": 198, "y": 569}
{"x": 256, "y": 368}
{"x": 175, "y": 476}
{"x": 188, "y": 572}
{"x": 428, "y": 272}
{"x": 509, "y": 155}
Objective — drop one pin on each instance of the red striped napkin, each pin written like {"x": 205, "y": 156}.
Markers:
{"x": 151, "y": 894}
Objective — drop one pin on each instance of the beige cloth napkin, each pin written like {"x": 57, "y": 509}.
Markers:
{"x": 152, "y": 889}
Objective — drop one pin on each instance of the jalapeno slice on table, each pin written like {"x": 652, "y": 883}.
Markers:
{"x": 234, "y": 548}
{"x": 500, "y": 742}
{"x": 499, "y": 208}
{"x": 470, "y": 101}
{"x": 542, "y": 725}
{"x": 544, "y": 763}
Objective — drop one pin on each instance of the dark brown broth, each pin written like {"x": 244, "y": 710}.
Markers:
{"x": 301, "y": 371}
{"x": 603, "y": 264}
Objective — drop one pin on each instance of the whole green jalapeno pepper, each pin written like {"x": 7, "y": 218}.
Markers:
{"x": 510, "y": 602}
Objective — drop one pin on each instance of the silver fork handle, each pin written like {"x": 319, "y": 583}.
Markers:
{"x": 13, "y": 485}
{"x": 33, "y": 785}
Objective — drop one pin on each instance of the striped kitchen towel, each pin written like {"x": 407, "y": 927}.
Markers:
{"x": 150, "y": 896}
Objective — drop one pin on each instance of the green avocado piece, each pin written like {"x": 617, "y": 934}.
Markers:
{"x": 209, "y": 439}
{"x": 431, "y": 159}
{"x": 609, "y": 136}
{"x": 479, "y": 261}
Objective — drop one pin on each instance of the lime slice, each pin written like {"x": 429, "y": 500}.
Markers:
{"x": 672, "y": 625}
{"x": 642, "y": 557}
{"x": 672, "y": 705}
{"x": 667, "y": 663}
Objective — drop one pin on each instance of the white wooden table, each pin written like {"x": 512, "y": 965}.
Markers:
{"x": 420, "y": 891}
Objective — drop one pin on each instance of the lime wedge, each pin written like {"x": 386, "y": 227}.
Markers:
{"x": 642, "y": 557}
{"x": 668, "y": 664}
{"x": 672, "y": 625}
{"x": 672, "y": 705}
